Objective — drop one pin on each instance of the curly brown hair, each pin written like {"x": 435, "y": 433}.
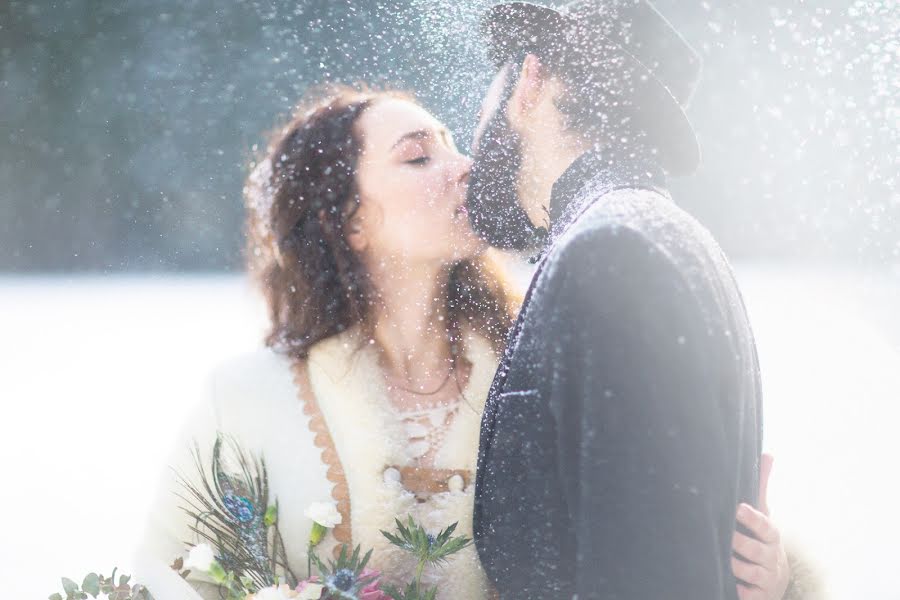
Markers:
{"x": 299, "y": 198}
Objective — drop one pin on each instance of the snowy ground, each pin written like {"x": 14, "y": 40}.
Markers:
{"x": 95, "y": 374}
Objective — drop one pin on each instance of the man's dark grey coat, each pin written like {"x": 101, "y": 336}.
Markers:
{"x": 623, "y": 426}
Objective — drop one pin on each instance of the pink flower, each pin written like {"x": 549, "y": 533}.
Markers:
{"x": 310, "y": 589}
{"x": 302, "y": 585}
{"x": 372, "y": 591}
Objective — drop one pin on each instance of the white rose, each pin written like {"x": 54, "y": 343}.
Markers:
{"x": 324, "y": 513}
{"x": 200, "y": 558}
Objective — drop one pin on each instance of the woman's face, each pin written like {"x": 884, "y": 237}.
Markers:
{"x": 412, "y": 185}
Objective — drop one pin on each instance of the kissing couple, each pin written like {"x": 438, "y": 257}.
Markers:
{"x": 600, "y": 435}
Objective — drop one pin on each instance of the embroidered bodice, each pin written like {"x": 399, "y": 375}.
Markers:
{"x": 396, "y": 462}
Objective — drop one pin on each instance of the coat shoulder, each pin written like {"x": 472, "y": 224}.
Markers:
{"x": 653, "y": 222}
{"x": 258, "y": 393}
{"x": 259, "y": 379}
{"x": 651, "y": 214}
{"x": 604, "y": 244}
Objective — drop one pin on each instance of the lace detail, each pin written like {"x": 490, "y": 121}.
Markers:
{"x": 426, "y": 428}
{"x": 340, "y": 492}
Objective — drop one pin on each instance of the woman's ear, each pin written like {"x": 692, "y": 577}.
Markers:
{"x": 355, "y": 234}
{"x": 528, "y": 91}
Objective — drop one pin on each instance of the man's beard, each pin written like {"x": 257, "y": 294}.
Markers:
{"x": 493, "y": 201}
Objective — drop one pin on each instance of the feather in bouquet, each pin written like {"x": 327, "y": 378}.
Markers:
{"x": 231, "y": 512}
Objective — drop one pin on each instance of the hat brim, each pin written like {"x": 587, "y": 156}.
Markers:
{"x": 516, "y": 27}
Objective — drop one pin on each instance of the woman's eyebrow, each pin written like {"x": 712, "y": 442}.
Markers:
{"x": 419, "y": 134}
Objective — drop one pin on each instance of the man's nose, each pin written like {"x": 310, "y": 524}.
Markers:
{"x": 466, "y": 168}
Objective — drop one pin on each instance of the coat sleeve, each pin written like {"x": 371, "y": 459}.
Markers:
{"x": 167, "y": 530}
{"x": 639, "y": 432}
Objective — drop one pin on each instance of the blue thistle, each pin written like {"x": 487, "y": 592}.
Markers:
{"x": 342, "y": 580}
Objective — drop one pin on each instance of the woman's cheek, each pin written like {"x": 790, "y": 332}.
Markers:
{"x": 429, "y": 187}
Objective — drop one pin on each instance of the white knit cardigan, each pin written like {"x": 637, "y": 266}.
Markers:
{"x": 323, "y": 430}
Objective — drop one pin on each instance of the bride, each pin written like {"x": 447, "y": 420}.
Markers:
{"x": 387, "y": 316}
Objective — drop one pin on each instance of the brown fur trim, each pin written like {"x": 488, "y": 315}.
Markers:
{"x": 807, "y": 582}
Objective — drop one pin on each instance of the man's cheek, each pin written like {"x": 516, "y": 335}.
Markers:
{"x": 491, "y": 104}
{"x": 486, "y": 118}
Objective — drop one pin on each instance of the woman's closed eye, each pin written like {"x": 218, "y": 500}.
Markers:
{"x": 422, "y": 160}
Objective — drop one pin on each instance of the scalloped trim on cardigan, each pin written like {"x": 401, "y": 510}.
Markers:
{"x": 340, "y": 492}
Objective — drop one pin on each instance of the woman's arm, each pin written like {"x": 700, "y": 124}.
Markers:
{"x": 167, "y": 530}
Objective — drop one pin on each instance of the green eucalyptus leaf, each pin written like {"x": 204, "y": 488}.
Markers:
{"x": 91, "y": 584}
{"x": 55, "y": 597}
{"x": 69, "y": 586}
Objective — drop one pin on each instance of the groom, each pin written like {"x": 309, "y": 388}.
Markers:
{"x": 623, "y": 426}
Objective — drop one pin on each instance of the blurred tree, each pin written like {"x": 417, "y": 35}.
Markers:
{"x": 126, "y": 127}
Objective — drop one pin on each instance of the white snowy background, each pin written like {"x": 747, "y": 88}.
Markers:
{"x": 126, "y": 129}
{"x": 98, "y": 372}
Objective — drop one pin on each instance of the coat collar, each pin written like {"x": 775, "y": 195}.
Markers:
{"x": 595, "y": 173}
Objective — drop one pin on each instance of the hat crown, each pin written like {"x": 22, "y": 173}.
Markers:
{"x": 637, "y": 28}
{"x": 624, "y": 50}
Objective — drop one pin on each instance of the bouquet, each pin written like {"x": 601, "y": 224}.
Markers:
{"x": 241, "y": 550}
{"x": 244, "y": 553}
